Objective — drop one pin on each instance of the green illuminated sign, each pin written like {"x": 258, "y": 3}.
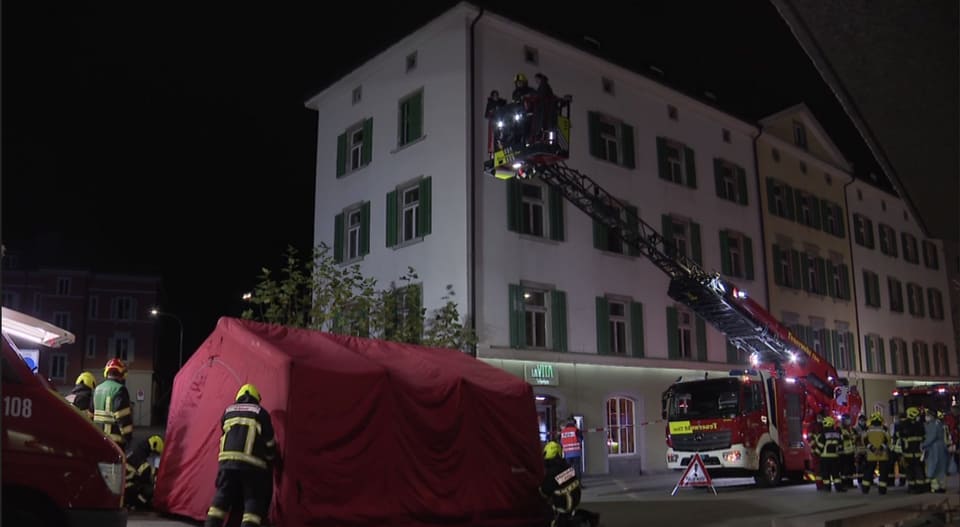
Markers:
{"x": 541, "y": 374}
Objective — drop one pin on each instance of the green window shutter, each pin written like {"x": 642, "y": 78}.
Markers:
{"x": 667, "y": 231}
{"x": 798, "y": 196}
{"x": 599, "y": 236}
{"x": 662, "y": 167}
{"x": 691, "y": 167}
{"x": 790, "y": 205}
{"x": 338, "y": 238}
{"x": 366, "y": 151}
{"x": 555, "y": 204}
{"x": 866, "y": 288}
{"x": 748, "y": 257}
{"x": 881, "y": 356}
{"x": 805, "y": 265}
{"x": 931, "y": 305}
{"x": 603, "y": 326}
{"x": 636, "y": 328}
{"x": 718, "y": 179}
{"x": 815, "y": 212}
{"x": 868, "y": 345}
{"x": 777, "y": 268}
{"x": 559, "y": 311}
{"x": 701, "y": 340}
{"x": 821, "y": 276}
{"x": 838, "y": 214}
{"x": 365, "y": 228}
{"x": 851, "y": 351}
{"x": 831, "y": 285}
{"x": 514, "y": 204}
{"x": 835, "y": 342}
{"x": 857, "y": 235}
{"x": 626, "y": 134}
{"x": 392, "y": 217}
{"x": 593, "y": 128}
{"x": 415, "y": 114}
{"x": 868, "y": 225}
{"x": 732, "y": 355}
{"x": 426, "y": 212}
{"x": 876, "y": 290}
{"x": 517, "y": 322}
{"x": 845, "y": 281}
{"x": 894, "y": 366}
{"x": 742, "y": 186}
{"x": 771, "y": 192}
{"x": 695, "y": 243}
{"x": 797, "y": 273}
{"x": 725, "y": 263}
{"x": 633, "y": 218}
{"x": 673, "y": 338}
{"x": 920, "y": 304}
{"x": 341, "y": 154}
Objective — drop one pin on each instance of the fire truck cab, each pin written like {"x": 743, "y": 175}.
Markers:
{"x": 934, "y": 396}
{"x": 58, "y": 468}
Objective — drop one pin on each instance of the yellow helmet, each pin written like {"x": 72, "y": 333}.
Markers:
{"x": 551, "y": 450}
{"x": 828, "y": 422}
{"x": 520, "y": 77}
{"x": 249, "y": 389}
{"x": 913, "y": 412}
{"x": 156, "y": 443}
{"x": 940, "y": 414}
{"x": 87, "y": 379}
{"x": 876, "y": 419}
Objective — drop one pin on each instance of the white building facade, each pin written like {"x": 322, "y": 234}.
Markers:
{"x": 903, "y": 296}
{"x": 556, "y": 299}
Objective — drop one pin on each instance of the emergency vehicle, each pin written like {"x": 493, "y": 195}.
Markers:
{"x": 754, "y": 421}
{"x": 58, "y": 468}
{"x": 934, "y": 396}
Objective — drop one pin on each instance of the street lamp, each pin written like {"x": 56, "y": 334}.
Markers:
{"x": 155, "y": 312}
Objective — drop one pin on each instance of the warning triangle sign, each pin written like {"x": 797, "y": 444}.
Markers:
{"x": 695, "y": 475}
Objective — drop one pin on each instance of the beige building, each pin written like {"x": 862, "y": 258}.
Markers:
{"x": 806, "y": 235}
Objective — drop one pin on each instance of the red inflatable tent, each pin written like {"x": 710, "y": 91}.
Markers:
{"x": 370, "y": 432}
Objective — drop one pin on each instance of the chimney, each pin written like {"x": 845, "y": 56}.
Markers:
{"x": 594, "y": 43}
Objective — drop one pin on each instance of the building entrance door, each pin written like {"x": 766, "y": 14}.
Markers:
{"x": 547, "y": 418}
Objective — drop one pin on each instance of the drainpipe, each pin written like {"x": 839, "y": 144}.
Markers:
{"x": 763, "y": 235}
{"x": 853, "y": 283}
{"x": 472, "y": 171}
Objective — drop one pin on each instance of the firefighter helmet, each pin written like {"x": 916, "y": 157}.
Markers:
{"x": 876, "y": 419}
{"x": 86, "y": 378}
{"x": 940, "y": 414}
{"x": 828, "y": 422}
{"x": 913, "y": 412}
{"x": 520, "y": 77}
{"x": 249, "y": 389}
{"x": 551, "y": 450}
{"x": 156, "y": 444}
{"x": 117, "y": 365}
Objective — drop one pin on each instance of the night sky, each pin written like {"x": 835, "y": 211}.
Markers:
{"x": 174, "y": 140}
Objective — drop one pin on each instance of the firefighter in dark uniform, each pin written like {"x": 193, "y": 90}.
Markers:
{"x": 81, "y": 395}
{"x": 896, "y": 456}
{"x": 111, "y": 404}
{"x": 879, "y": 447}
{"x": 847, "y": 451}
{"x": 561, "y": 487}
{"x": 911, "y": 437}
{"x": 827, "y": 445}
{"x": 816, "y": 430}
{"x": 141, "y": 473}
{"x": 247, "y": 451}
{"x": 860, "y": 470}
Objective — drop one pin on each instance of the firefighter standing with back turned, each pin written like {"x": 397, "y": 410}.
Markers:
{"x": 879, "y": 447}
{"x": 111, "y": 404}
{"x": 247, "y": 450}
{"x": 827, "y": 446}
{"x": 911, "y": 437}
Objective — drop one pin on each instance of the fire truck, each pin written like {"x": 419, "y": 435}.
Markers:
{"x": 934, "y": 396}
{"x": 753, "y": 421}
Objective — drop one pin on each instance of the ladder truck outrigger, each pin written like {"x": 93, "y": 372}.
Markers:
{"x": 752, "y": 421}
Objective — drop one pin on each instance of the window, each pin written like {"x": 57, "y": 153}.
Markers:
{"x": 863, "y": 231}
{"x": 780, "y": 199}
{"x": 731, "y": 181}
{"x": 607, "y": 85}
{"x": 608, "y": 238}
{"x": 63, "y": 286}
{"x": 534, "y": 210}
{"x": 411, "y": 62}
{"x": 679, "y": 229}
{"x": 531, "y": 55}
{"x": 351, "y": 237}
{"x": 935, "y": 303}
{"x": 812, "y": 277}
{"x": 407, "y": 314}
{"x": 888, "y": 240}
{"x": 871, "y": 285}
{"x": 410, "y": 119}
{"x": 618, "y": 328}
{"x": 93, "y": 307}
{"x": 725, "y": 134}
{"x": 357, "y": 95}
{"x": 609, "y": 141}
{"x": 874, "y": 354}
{"x": 819, "y": 340}
{"x": 921, "y": 358}
{"x": 895, "y": 289}
{"x": 121, "y": 347}
{"x": 61, "y": 319}
{"x": 930, "y": 256}
{"x": 799, "y": 135}
{"x": 809, "y": 210}
{"x": 58, "y": 366}
{"x": 676, "y": 163}
{"x": 685, "y": 333}
{"x": 910, "y": 248}
{"x": 736, "y": 255}
{"x": 531, "y": 214}
{"x": 355, "y": 147}
{"x": 837, "y": 280}
{"x": 843, "y": 360}
{"x": 408, "y": 212}
{"x": 535, "y": 318}
{"x": 787, "y": 270}
{"x": 940, "y": 358}
{"x": 354, "y": 223}
{"x": 91, "y": 346}
{"x": 620, "y": 426}
{"x": 672, "y": 112}
{"x": 899, "y": 360}
{"x": 776, "y": 155}
{"x": 915, "y": 299}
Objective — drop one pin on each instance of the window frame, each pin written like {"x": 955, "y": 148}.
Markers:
{"x": 621, "y": 426}
{"x": 528, "y": 215}
{"x": 534, "y": 312}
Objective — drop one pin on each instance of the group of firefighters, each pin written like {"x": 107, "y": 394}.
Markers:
{"x": 921, "y": 448}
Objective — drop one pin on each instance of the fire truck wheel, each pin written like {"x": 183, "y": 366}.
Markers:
{"x": 27, "y": 508}
{"x": 770, "y": 471}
